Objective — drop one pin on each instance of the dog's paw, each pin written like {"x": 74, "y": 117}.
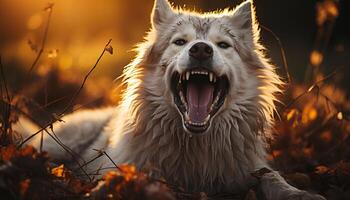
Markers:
{"x": 303, "y": 195}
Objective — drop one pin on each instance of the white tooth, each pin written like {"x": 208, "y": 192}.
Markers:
{"x": 180, "y": 79}
{"x": 187, "y": 118}
{"x": 182, "y": 97}
{"x": 211, "y": 77}
{"x": 206, "y": 119}
{"x": 214, "y": 79}
{"x": 187, "y": 75}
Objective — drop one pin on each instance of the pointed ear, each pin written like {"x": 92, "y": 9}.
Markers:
{"x": 161, "y": 13}
{"x": 243, "y": 21}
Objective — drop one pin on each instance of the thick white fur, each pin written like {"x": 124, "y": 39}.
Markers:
{"x": 146, "y": 129}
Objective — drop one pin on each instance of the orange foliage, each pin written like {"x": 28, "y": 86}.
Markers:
{"x": 24, "y": 185}
{"x": 326, "y": 10}
{"x": 321, "y": 169}
{"x": 58, "y": 171}
{"x": 326, "y": 136}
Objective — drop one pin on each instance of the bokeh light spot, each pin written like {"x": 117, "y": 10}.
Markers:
{"x": 65, "y": 62}
{"x": 34, "y": 22}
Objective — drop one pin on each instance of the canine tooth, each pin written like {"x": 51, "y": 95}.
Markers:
{"x": 187, "y": 75}
{"x": 206, "y": 119}
{"x": 217, "y": 98}
{"x": 211, "y": 77}
{"x": 181, "y": 96}
{"x": 187, "y": 118}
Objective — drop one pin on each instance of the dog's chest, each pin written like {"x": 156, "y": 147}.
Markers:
{"x": 195, "y": 165}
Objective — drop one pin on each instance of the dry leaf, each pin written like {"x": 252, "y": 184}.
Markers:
{"x": 52, "y": 53}
{"x": 8, "y": 152}
{"x": 321, "y": 169}
{"x": 24, "y": 185}
{"x": 33, "y": 46}
{"x": 326, "y": 136}
{"x": 27, "y": 151}
{"x": 58, "y": 171}
{"x": 109, "y": 49}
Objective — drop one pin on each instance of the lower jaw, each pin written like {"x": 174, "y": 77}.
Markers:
{"x": 200, "y": 130}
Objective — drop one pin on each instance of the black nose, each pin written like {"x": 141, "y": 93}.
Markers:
{"x": 201, "y": 51}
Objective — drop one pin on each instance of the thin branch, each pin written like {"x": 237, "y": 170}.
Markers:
{"x": 116, "y": 166}
{"x": 74, "y": 155}
{"x": 313, "y": 86}
{"x": 105, "y": 153}
{"x": 92, "y": 160}
{"x": 85, "y": 78}
{"x": 51, "y": 103}
{"x": 71, "y": 102}
{"x": 43, "y": 43}
{"x": 283, "y": 53}
{"x": 4, "y": 80}
{"x": 4, "y": 138}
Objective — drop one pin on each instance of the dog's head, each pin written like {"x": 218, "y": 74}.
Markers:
{"x": 205, "y": 64}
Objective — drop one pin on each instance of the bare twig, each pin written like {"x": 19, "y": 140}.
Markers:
{"x": 4, "y": 137}
{"x": 4, "y": 80}
{"x": 116, "y": 166}
{"x": 85, "y": 78}
{"x": 56, "y": 139}
{"x": 52, "y": 102}
{"x": 43, "y": 43}
{"x": 105, "y": 153}
{"x": 50, "y": 124}
{"x": 283, "y": 53}
{"x": 313, "y": 86}
{"x": 92, "y": 160}
{"x": 71, "y": 102}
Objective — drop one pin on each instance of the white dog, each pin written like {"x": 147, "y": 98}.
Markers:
{"x": 197, "y": 108}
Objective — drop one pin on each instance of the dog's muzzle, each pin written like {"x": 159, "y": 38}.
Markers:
{"x": 198, "y": 92}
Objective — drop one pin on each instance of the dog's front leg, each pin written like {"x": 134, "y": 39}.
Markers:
{"x": 274, "y": 187}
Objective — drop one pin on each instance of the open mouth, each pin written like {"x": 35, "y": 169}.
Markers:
{"x": 198, "y": 94}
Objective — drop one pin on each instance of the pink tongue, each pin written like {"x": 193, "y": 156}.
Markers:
{"x": 199, "y": 98}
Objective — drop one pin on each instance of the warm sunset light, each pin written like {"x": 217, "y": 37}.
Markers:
{"x": 175, "y": 99}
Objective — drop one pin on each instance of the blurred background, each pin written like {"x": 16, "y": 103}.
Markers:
{"x": 80, "y": 28}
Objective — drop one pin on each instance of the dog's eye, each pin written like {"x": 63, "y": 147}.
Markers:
{"x": 223, "y": 45}
{"x": 180, "y": 42}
